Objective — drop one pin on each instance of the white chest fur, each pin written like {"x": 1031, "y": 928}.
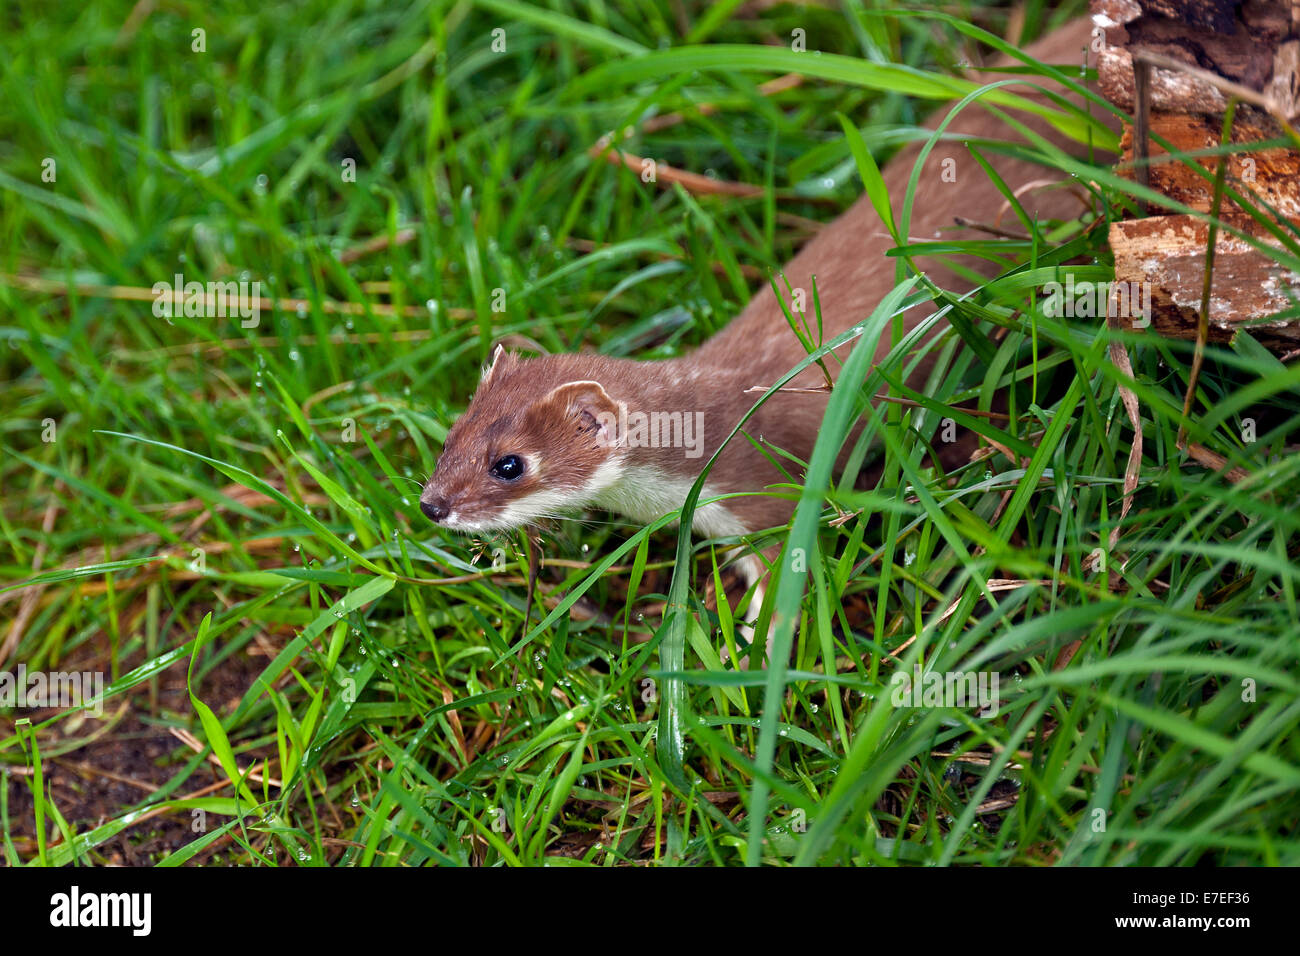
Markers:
{"x": 645, "y": 493}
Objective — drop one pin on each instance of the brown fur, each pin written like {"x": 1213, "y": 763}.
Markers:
{"x": 514, "y": 410}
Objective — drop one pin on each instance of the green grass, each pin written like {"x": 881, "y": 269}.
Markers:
{"x": 201, "y": 502}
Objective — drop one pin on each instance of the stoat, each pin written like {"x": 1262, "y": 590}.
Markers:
{"x": 550, "y": 435}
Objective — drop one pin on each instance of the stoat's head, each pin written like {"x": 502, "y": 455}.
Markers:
{"x": 533, "y": 443}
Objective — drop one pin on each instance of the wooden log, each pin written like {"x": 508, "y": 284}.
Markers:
{"x": 1196, "y": 55}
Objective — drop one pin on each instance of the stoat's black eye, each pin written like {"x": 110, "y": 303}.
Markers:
{"x": 508, "y": 468}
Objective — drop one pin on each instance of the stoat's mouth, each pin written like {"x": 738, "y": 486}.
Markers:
{"x": 457, "y": 512}
{"x": 454, "y": 522}
{"x": 536, "y": 505}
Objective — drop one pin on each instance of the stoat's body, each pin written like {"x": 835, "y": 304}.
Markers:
{"x": 545, "y": 436}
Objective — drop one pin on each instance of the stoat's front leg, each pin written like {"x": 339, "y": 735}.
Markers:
{"x": 753, "y": 570}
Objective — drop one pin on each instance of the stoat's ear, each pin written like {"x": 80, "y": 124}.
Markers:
{"x": 500, "y": 359}
{"x": 589, "y": 404}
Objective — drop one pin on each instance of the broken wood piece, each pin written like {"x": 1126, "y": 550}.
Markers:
{"x": 1168, "y": 254}
{"x": 1271, "y": 176}
{"x": 1225, "y": 47}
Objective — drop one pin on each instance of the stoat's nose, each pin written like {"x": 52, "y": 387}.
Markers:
{"x": 435, "y": 508}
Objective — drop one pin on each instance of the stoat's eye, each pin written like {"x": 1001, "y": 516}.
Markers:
{"x": 508, "y": 468}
